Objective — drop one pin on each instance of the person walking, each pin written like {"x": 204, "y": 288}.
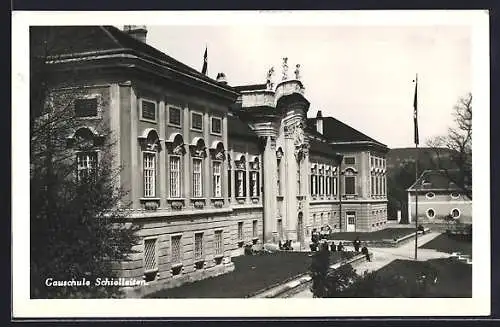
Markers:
{"x": 364, "y": 250}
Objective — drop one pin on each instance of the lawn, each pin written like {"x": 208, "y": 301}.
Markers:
{"x": 383, "y": 234}
{"x": 454, "y": 278}
{"x": 251, "y": 274}
{"x": 449, "y": 244}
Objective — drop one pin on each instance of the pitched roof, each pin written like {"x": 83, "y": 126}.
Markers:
{"x": 108, "y": 38}
{"x": 435, "y": 180}
{"x": 336, "y": 131}
{"x": 321, "y": 147}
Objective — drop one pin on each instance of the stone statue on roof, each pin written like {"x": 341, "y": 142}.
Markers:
{"x": 297, "y": 72}
{"x": 269, "y": 82}
{"x": 285, "y": 68}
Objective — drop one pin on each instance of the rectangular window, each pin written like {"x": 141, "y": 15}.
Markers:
{"x": 86, "y": 107}
{"x": 216, "y": 125}
{"x": 176, "y": 249}
{"x": 198, "y": 246}
{"x": 197, "y": 184}
{"x": 350, "y": 160}
{"x": 240, "y": 183}
{"x": 350, "y": 185}
{"x": 321, "y": 185}
{"x": 150, "y": 263}
{"x": 175, "y": 177}
{"x": 148, "y": 110}
{"x": 240, "y": 231}
{"x": 197, "y": 121}
{"x": 328, "y": 185}
{"x": 174, "y": 116}
{"x": 254, "y": 183}
{"x": 217, "y": 182}
{"x": 219, "y": 245}
{"x": 372, "y": 161}
{"x": 373, "y": 185}
{"x": 86, "y": 163}
{"x": 149, "y": 174}
{"x": 377, "y": 185}
{"x": 255, "y": 231}
{"x": 335, "y": 186}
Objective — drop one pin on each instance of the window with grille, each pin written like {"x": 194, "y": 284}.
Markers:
{"x": 174, "y": 116}
{"x": 149, "y": 171}
{"x": 240, "y": 231}
{"x": 176, "y": 249}
{"x": 335, "y": 186}
{"x": 216, "y": 125}
{"x": 217, "y": 183}
{"x": 240, "y": 183}
{"x": 350, "y": 185}
{"x": 254, "y": 229}
{"x": 148, "y": 110}
{"x": 86, "y": 107}
{"x": 254, "y": 183}
{"x": 219, "y": 245}
{"x": 86, "y": 163}
{"x": 150, "y": 263}
{"x": 373, "y": 185}
{"x": 198, "y": 246}
{"x": 321, "y": 184}
{"x": 328, "y": 185}
{"x": 350, "y": 160}
{"x": 175, "y": 177}
{"x": 196, "y": 121}
{"x": 197, "y": 185}
{"x": 313, "y": 184}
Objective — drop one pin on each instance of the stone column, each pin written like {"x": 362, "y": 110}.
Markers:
{"x": 269, "y": 167}
{"x": 114, "y": 124}
{"x": 186, "y": 168}
{"x": 162, "y": 166}
{"x": 290, "y": 192}
{"x": 135, "y": 162}
{"x": 207, "y": 186}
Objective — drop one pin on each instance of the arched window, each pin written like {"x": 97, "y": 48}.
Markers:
{"x": 350, "y": 182}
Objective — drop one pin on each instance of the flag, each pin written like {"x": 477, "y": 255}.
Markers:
{"x": 415, "y": 118}
{"x": 205, "y": 63}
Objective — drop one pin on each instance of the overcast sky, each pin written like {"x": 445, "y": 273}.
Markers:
{"x": 361, "y": 75}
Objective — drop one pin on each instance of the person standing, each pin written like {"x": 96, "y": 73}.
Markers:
{"x": 357, "y": 244}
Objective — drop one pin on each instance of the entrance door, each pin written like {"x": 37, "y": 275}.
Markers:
{"x": 351, "y": 221}
{"x": 300, "y": 228}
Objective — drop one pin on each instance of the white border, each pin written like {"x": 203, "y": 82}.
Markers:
{"x": 479, "y": 304}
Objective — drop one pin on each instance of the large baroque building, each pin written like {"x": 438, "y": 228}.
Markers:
{"x": 210, "y": 167}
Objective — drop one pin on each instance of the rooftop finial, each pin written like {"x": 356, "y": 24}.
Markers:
{"x": 285, "y": 68}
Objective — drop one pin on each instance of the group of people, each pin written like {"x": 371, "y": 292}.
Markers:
{"x": 315, "y": 245}
{"x": 287, "y": 245}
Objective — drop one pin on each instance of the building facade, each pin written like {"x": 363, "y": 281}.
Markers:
{"x": 210, "y": 168}
{"x": 438, "y": 199}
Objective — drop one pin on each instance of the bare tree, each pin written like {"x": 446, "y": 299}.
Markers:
{"x": 459, "y": 142}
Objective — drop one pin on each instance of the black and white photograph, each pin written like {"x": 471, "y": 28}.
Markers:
{"x": 217, "y": 163}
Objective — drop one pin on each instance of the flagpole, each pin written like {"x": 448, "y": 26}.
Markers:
{"x": 416, "y": 164}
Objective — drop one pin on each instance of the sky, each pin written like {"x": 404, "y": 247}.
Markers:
{"x": 361, "y": 75}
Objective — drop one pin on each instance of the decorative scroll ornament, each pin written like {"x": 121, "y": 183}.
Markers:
{"x": 285, "y": 69}
{"x": 269, "y": 82}
{"x": 297, "y": 72}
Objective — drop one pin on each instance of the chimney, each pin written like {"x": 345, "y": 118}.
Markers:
{"x": 319, "y": 122}
{"x": 138, "y": 32}
{"x": 221, "y": 78}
